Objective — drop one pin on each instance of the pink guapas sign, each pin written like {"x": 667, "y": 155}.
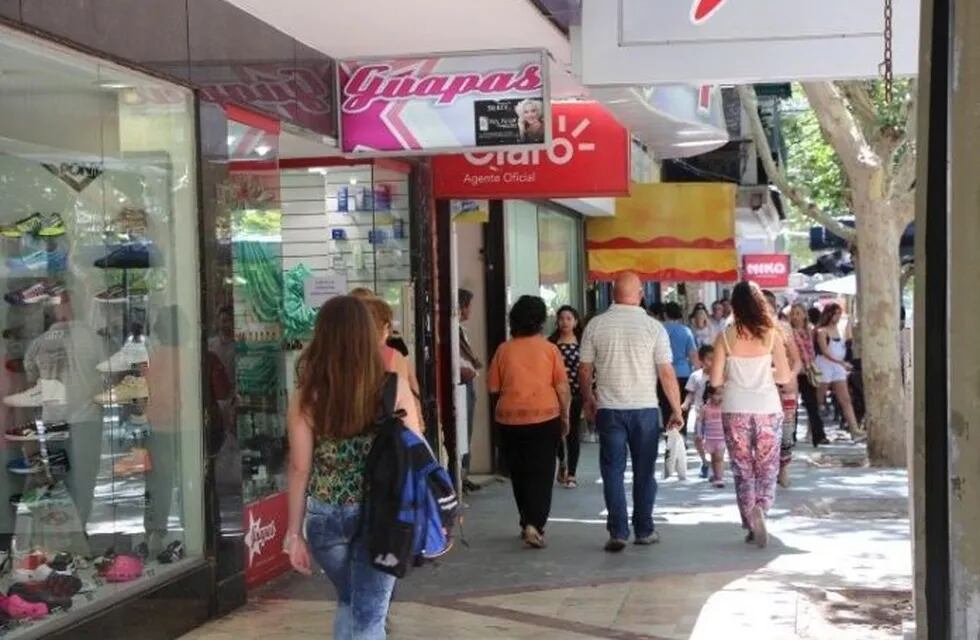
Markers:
{"x": 448, "y": 103}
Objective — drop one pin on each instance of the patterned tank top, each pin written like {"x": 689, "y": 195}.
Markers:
{"x": 337, "y": 476}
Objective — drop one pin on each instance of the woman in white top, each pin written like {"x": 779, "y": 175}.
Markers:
{"x": 750, "y": 360}
{"x": 833, "y": 365}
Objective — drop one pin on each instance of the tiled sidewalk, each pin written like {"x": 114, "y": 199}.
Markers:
{"x": 835, "y": 528}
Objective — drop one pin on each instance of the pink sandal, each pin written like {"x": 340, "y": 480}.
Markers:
{"x": 20, "y": 609}
{"x": 123, "y": 568}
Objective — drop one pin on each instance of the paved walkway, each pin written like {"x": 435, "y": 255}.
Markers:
{"x": 839, "y": 565}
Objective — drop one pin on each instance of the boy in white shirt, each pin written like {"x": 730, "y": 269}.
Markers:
{"x": 694, "y": 399}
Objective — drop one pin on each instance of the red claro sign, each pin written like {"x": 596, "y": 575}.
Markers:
{"x": 589, "y": 157}
{"x": 767, "y": 270}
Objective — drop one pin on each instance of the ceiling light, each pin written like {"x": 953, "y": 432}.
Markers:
{"x": 231, "y": 140}
{"x": 699, "y": 143}
{"x": 109, "y": 84}
{"x": 263, "y": 149}
{"x": 353, "y": 180}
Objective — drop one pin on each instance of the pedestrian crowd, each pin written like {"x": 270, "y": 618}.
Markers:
{"x": 729, "y": 377}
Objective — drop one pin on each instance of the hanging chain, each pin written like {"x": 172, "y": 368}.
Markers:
{"x": 887, "y": 70}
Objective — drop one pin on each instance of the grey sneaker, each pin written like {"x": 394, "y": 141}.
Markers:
{"x": 653, "y": 538}
{"x": 614, "y": 545}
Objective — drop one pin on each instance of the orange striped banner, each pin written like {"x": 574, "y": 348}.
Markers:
{"x": 667, "y": 232}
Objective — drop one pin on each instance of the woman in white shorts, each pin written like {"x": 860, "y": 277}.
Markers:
{"x": 832, "y": 363}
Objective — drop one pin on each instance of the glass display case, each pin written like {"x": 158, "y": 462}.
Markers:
{"x": 102, "y": 478}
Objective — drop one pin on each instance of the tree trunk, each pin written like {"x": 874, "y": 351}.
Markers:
{"x": 880, "y": 306}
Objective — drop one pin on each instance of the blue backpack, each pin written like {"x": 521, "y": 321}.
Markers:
{"x": 410, "y": 505}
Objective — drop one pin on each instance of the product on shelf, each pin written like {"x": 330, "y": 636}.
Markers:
{"x": 39, "y": 261}
{"x": 27, "y": 465}
{"x": 135, "y": 462}
{"x": 120, "y": 568}
{"x": 134, "y": 255}
{"x": 20, "y": 609}
{"x": 31, "y": 224}
{"x": 39, "y": 592}
{"x": 132, "y": 353}
{"x": 129, "y": 389}
{"x": 130, "y": 223}
{"x": 62, "y": 564}
{"x": 43, "y": 392}
{"x": 173, "y": 553}
{"x": 31, "y": 431}
{"x": 34, "y": 293}
{"x": 63, "y": 585}
{"x": 118, "y": 293}
{"x": 52, "y": 227}
{"x": 14, "y": 333}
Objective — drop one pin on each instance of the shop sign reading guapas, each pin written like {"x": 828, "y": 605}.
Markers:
{"x": 589, "y": 156}
{"x": 446, "y": 103}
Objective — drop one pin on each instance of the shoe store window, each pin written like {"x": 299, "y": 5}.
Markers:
{"x": 102, "y": 449}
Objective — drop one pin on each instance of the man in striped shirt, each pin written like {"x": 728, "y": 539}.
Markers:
{"x": 628, "y": 351}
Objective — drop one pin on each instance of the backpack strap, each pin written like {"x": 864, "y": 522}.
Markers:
{"x": 389, "y": 394}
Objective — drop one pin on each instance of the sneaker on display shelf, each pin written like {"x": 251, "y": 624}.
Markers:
{"x": 39, "y": 593}
{"x": 132, "y": 353}
{"x": 27, "y": 465}
{"x": 136, "y": 462}
{"x": 30, "y": 224}
{"x": 39, "y": 261}
{"x": 31, "y": 294}
{"x": 42, "y": 393}
{"x": 52, "y": 227}
{"x": 129, "y": 389}
{"x": 117, "y": 294}
{"x": 121, "y": 568}
{"x": 136, "y": 255}
{"x": 32, "y": 431}
{"x": 130, "y": 223}
{"x": 173, "y": 553}
{"x": 20, "y": 609}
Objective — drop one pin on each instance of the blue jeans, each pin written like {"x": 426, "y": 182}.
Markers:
{"x": 363, "y": 592}
{"x": 639, "y": 431}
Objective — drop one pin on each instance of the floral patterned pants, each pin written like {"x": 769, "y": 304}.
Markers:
{"x": 754, "y": 446}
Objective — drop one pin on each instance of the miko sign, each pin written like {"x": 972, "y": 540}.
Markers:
{"x": 768, "y": 270}
{"x": 588, "y": 157}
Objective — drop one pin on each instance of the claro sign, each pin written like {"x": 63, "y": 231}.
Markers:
{"x": 767, "y": 270}
{"x": 588, "y": 157}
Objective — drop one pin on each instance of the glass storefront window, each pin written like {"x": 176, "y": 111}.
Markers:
{"x": 559, "y": 259}
{"x": 249, "y": 338}
{"x": 350, "y": 224}
{"x": 102, "y": 447}
{"x": 544, "y": 255}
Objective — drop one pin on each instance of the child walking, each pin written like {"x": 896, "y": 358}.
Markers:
{"x": 712, "y": 434}
{"x": 694, "y": 400}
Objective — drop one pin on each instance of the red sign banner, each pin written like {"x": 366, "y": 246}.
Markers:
{"x": 589, "y": 157}
{"x": 265, "y": 528}
{"x": 767, "y": 269}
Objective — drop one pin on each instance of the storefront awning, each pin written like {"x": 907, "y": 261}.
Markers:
{"x": 667, "y": 232}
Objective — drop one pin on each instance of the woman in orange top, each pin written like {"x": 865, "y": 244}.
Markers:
{"x": 527, "y": 377}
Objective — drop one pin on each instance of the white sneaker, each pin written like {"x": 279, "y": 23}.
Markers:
{"x": 44, "y": 392}
{"x": 132, "y": 353}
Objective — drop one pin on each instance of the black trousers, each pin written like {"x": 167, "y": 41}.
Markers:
{"x": 574, "y": 438}
{"x": 812, "y": 404}
{"x": 529, "y": 452}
